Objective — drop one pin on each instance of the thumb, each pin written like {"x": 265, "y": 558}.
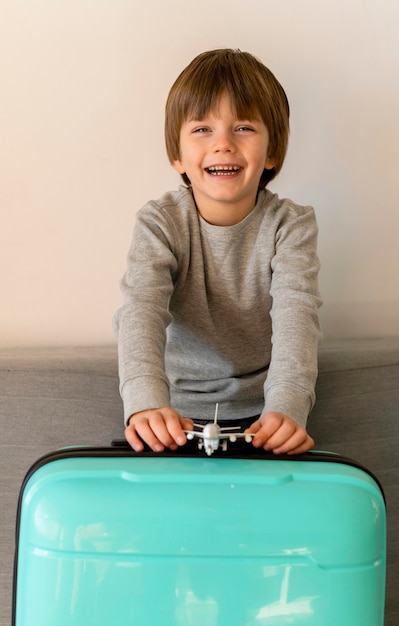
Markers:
{"x": 254, "y": 428}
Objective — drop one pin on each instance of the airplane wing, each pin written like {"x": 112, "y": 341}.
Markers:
{"x": 231, "y": 436}
{"x": 234, "y": 436}
{"x": 193, "y": 433}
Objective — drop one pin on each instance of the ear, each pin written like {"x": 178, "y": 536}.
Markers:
{"x": 179, "y": 167}
{"x": 270, "y": 163}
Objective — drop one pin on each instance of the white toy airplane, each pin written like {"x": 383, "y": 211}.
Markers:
{"x": 211, "y": 435}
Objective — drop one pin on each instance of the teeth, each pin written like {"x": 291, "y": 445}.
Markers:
{"x": 226, "y": 168}
{"x": 223, "y": 169}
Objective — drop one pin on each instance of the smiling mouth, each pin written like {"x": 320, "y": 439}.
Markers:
{"x": 223, "y": 170}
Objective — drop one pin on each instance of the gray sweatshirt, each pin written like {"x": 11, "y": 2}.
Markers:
{"x": 225, "y": 314}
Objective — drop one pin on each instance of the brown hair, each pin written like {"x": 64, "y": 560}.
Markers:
{"x": 252, "y": 88}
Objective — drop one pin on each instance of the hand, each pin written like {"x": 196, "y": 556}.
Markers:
{"x": 280, "y": 434}
{"x": 159, "y": 428}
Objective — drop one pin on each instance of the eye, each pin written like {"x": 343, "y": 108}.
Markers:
{"x": 246, "y": 129}
{"x": 201, "y": 129}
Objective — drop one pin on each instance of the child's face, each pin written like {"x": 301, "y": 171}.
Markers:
{"x": 224, "y": 158}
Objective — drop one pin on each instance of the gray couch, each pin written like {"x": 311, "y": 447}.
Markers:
{"x": 56, "y": 397}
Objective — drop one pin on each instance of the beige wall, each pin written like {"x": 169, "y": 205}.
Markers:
{"x": 83, "y": 85}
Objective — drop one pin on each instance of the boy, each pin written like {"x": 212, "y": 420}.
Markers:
{"x": 221, "y": 296}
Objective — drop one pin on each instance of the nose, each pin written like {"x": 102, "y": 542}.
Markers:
{"x": 224, "y": 141}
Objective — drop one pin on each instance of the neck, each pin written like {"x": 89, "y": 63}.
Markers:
{"x": 224, "y": 214}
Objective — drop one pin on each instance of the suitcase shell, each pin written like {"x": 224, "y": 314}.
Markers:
{"x": 109, "y": 537}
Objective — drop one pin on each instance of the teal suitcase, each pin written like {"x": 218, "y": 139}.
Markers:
{"x": 107, "y": 537}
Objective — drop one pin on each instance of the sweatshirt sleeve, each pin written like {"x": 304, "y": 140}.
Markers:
{"x": 140, "y": 324}
{"x": 290, "y": 384}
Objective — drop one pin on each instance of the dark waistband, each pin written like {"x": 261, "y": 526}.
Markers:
{"x": 244, "y": 422}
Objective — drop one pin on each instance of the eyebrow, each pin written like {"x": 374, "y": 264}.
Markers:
{"x": 239, "y": 118}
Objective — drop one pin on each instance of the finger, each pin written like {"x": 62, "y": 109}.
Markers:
{"x": 163, "y": 426}
{"x": 297, "y": 444}
{"x": 254, "y": 428}
{"x": 186, "y": 423}
{"x": 174, "y": 426}
{"x": 132, "y": 438}
{"x": 145, "y": 429}
{"x": 305, "y": 447}
{"x": 177, "y": 428}
{"x": 269, "y": 425}
{"x": 283, "y": 434}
